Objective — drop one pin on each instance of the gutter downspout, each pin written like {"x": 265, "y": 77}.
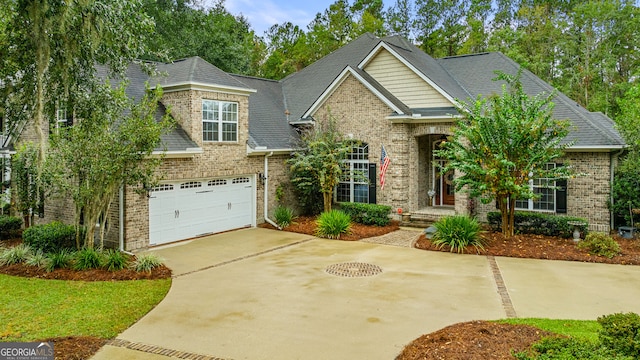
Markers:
{"x": 266, "y": 191}
{"x": 611, "y": 170}
{"x": 121, "y": 220}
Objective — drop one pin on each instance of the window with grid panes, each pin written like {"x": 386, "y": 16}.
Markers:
{"x": 543, "y": 188}
{"x": 219, "y": 121}
{"x": 354, "y": 185}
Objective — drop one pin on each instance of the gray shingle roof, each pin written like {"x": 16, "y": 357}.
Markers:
{"x": 303, "y": 88}
{"x": 461, "y": 78}
{"x": 194, "y": 70}
{"x": 175, "y": 140}
{"x": 476, "y": 72}
{"x": 268, "y": 122}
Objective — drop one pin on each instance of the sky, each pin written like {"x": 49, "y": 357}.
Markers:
{"x": 262, "y": 14}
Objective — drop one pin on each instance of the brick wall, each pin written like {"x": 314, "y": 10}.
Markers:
{"x": 361, "y": 115}
{"x": 217, "y": 160}
{"x": 587, "y": 195}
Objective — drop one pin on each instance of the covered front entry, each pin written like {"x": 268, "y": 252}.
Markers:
{"x": 193, "y": 208}
{"x": 442, "y": 185}
{"x": 441, "y": 189}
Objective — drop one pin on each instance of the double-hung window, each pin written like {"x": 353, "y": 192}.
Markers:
{"x": 219, "y": 121}
{"x": 354, "y": 184}
{"x": 547, "y": 194}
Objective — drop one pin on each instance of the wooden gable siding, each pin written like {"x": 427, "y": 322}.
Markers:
{"x": 403, "y": 83}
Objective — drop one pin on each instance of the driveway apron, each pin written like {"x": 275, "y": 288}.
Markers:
{"x": 266, "y": 294}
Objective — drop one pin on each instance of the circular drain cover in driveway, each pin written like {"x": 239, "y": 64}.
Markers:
{"x": 353, "y": 269}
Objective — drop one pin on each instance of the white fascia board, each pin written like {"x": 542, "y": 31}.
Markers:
{"x": 175, "y": 154}
{"x": 422, "y": 119}
{"x": 384, "y": 45}
{"x": 261, "y": 152}
{"x": 595, "y": 148}
{"x": 192, "y": 85}
{"x": 338, "y": 81}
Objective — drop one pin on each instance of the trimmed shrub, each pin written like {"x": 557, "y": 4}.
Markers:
{"x": 60, "y": 259}
{"x": 9, "y": 224}
{"x": 367, "y": 214}
{"x": 87, "y": 258}
{"x": 600, "y": 244}
{"x": 50, "y": 237}
{"x": 15, "y": 255}
{"x": 621, "y": 333}
{"x": 457, "y": 232}
{"x": 115, "y": 260}
{"x": 332, "y": 224}
{"x": 539, "y": 223}
{"x": 562, "y": 348}
{"x": 147, "y": 262}
{"x": 283, "y": 216}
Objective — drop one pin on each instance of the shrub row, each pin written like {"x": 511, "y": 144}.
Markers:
{"x": 51, "y": 237}
{"x": 9, "y": 224}
{"x": 367, "y": 214}
{"x": 539, "y": 223}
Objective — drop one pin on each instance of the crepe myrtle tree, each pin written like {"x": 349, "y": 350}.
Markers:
{"x": 501, "y": 143}
{"x": 319, "y": 162}
{"x": 108, "y": 147}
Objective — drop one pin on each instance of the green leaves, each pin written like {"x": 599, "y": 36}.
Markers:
{"x": 108, "y": 148}
{"x": 318, "y": 163}
{"x": 503, "y": 142}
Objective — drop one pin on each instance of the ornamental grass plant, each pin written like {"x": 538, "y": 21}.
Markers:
{"x": 457, "y": 232}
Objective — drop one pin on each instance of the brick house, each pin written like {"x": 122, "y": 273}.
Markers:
{"x": 225, "y": 160}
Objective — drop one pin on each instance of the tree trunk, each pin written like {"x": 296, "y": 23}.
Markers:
{"x": 327, "y": 197}
{"x": 512, "y": 216}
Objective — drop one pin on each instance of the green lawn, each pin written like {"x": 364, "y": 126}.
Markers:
{"x": 34, "y": 309}
{"x": 581, "y": 329}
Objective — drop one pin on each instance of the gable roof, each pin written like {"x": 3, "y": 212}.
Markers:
{"x": 475, "y": 73}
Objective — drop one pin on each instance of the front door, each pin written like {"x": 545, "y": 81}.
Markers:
{"x": 443, "y": 185}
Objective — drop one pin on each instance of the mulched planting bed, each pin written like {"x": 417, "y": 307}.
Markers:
{"x": 475, "y": 340}
{"x": 544, "y": 247}
{"x": 75, "y": 347}
{"x": 160, "y": 272}
{"x": 307, "y": 225}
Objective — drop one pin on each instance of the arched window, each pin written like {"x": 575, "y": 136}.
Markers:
{"x": 354, "y": 183}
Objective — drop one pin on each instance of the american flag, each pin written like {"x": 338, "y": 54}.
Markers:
{"x": 384, "y": 164}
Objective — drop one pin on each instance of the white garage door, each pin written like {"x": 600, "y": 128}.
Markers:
{"x": 193, "y": 208}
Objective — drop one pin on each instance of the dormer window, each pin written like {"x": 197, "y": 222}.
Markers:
{"x": 219, "y": 121}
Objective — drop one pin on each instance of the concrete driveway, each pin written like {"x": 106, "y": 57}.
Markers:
{"x": 265, "y": 294}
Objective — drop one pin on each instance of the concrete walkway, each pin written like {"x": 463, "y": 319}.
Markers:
{"x": 266, "y": 294}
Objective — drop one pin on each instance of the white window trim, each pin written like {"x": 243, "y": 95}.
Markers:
{"x": 352, "y": 179}
{"x": 62, "y": 118}
{"x": 220, "y": 121}
{"x": 532, "y": 186}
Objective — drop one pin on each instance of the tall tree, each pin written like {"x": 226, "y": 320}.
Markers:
{"x": 287, "y": 51}
{"x": 55, "y": 46}
{"x": 440, "y": 26}
{"x": 330, "y": 30}
{"x": 503, "y": 142}
{"x": 368, "y": 17}
{"x": 110, "y": 147}
{"x": 399, "y": 19}
{"x": 183, "y": 29}
{"x": 319, "y": 164}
